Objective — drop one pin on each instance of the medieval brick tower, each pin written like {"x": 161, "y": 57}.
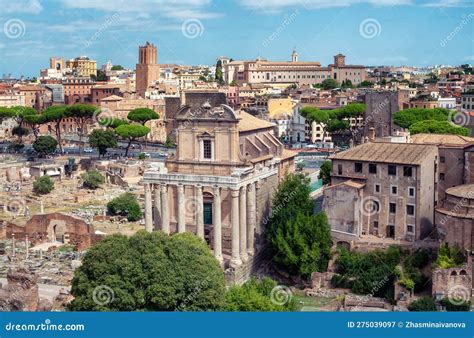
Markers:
{"x": 148, "y": 71}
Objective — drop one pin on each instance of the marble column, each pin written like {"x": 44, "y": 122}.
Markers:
{"x": 234, "y": 215}
{"x": 157, "y": 200}
{"x": 217, "y": 224}
{"x": 199, "y": 212}
{"x": 148, "y": 208}
{"x": 243, "y": 224}
{"x": 181, "y": 209}
{"x": 252, "y": 218}
{"x": 165, "y": 218}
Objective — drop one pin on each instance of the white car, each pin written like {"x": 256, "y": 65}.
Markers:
{"x": 88, "y": 150}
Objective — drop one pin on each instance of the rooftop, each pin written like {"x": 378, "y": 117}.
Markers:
{"x": 400, "y": 153}
{"x": 442, "y": 139}
{"x": 462, "y": 191}
{"x": 249, "y": 122}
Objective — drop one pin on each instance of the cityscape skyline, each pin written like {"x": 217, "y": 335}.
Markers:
{"x": 198, "y": 31}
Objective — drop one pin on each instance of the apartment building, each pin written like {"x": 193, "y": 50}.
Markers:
{"x": 383, "y": 190}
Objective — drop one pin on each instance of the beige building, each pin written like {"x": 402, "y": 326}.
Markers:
{"x": 385, "y": 190}
{"x": 294, "y": 71}
{"x": 118, "y": 107}
{"x": 220, "y": 183}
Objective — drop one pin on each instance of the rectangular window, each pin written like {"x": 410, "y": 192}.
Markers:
{"x": 376, "y": 224}
{"x": 394, "y": 190}
{"x": 207, "y": 210}
{"x": 441, "y": 176}
{"x": 207, "y": 149}
{"x": 392, "y": 170}
{"x": 372, "y": 168}
{"x": 358, "y": 167}
{"x": 393, "y": 208}
{"x": 442, "y": 159}
{"x": 407, "y": 171}
{"x": 377, "y": 188}
{"x": 411, "y": 192}
{"x": 410, "y": 229}
{"x": 410, "y": 210}
{"x": 339, "y": 169}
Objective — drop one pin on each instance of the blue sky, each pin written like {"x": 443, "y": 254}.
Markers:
{"x": 369, "y": 32}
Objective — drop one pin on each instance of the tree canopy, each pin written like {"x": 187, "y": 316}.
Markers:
{"x": 149, "y": 271}
{"x": 92, "y": 179}
{"x": 299, "y": 240}
{"x": 102, "y": 139}
{"x": 405, "y": 118}
{"x": 437, "y": 127}
{"x": 45, "y": 145}
{"x": 131, "y": 132}
{"x": 142, "y": 115}
{"x": 125, "y": 205}
{"x": 329, "y": 84}
{"x": 55, "y": 115}
{"x": 43, "y": 185}
{"x": 325, "y": 172}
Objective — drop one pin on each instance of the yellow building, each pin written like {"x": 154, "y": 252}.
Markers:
{"x": 280, "y": 107}
{"x": 82, "y": 66}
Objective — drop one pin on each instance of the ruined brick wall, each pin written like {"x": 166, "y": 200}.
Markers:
{"x": 454, "y": 282}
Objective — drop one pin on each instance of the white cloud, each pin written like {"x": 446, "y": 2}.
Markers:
{"x": 274, "y": 5}
{"x": 176, "y": 9}
{"x": 21, "y": 6}
{"x": 450, "y": 3}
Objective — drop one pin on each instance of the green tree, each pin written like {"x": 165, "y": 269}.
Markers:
{"x": 117, "y": 67}
{"x": 219, "y": 74}
{"x": 131, "y": 133}
{"x": 102, "y": 139}
{"x": 55, "y": 115}
{"x": 112, "y": 123}
{"x": 45, "y": 145}
{"x": 347, "y": 84}
{"x": 366, "y": 84}
{"x": 437, "y": 127}
{"x": 149, "y": 271}
{"x": 425, "y": 303}
{"x": 142, "y": 115}
{"x": 43, "y": 185}
{"x": 329, "y": 84}
{"x": 256, "y": 295}
{"x": 405, "y": 118}
{"x": 34, "y": 122}
{"x": 325, "y": 172}
{"x": 19, "y": 114}
{"x": 169, "y": 142}
{"x": 92, "y": 179}
{"x": 350, "y": 110}
{"x": 299, "y": 240}
{"x": 449, "y": 257}
{"x": 125, "y": 205}
{"x": 5, "y": 113}
{"x": 82, "y": 115}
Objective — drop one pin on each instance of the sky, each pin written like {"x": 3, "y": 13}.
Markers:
{"x": 195, "y": 32}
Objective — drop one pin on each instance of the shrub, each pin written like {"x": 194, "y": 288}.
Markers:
{"x": 425, "y": 303}
{"x": 43, "y": 185}
{"x": 125, "y": 205}
{"x": 93, "y": 179}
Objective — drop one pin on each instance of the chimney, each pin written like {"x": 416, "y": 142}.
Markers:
{"x": 372, "y": 134}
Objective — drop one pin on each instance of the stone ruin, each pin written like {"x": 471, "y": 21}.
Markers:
{"x": 21, "y": 293}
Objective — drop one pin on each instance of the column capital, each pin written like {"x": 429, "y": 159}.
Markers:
{"x": 243, "y": 190}
{"x": 164, "y": 187}
{"x": 234, "y": 192}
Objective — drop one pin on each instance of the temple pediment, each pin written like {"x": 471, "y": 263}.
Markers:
{"x": 207, "y": 112}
